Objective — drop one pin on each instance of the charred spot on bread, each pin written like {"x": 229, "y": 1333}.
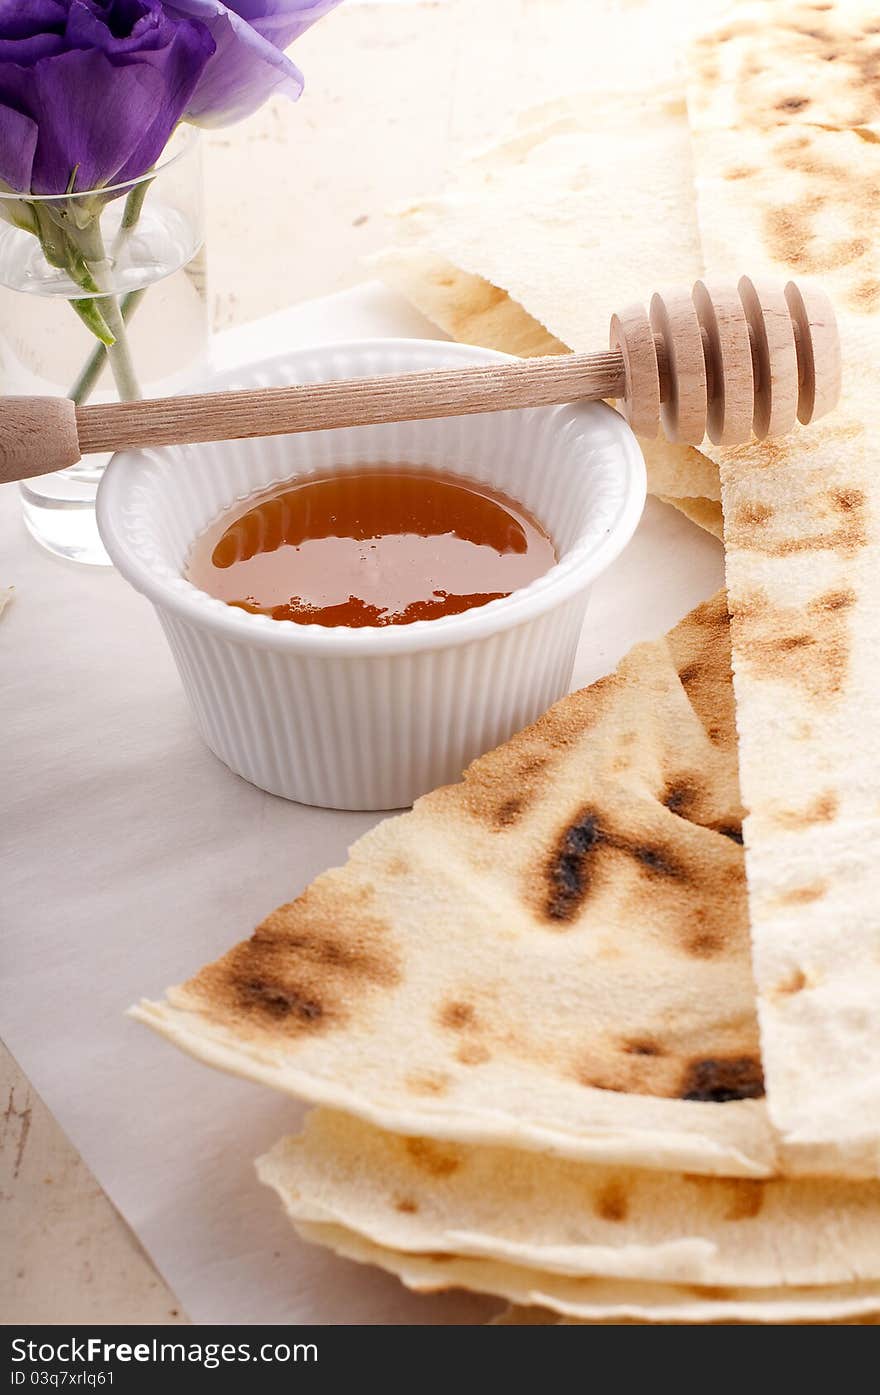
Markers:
{"x": 300, "y": 972}
{"x": 432, "y": 1158}
{"x": 572, "y": 864}
{"x": 720, "y": 1079}
{"x": 733, "y": 831}
{"x": 456, "y": 1015}
{"x": 642, "y": 1046}
{"x": 611, "y": 1202}
{"x": 278, "y": 1002}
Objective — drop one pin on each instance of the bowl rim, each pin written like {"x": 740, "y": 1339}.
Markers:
{"x": 571, "y": 575}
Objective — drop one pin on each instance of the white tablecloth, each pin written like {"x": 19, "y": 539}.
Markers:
{"x": 131, "y": 856}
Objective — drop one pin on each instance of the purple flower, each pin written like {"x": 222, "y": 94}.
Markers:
{"x": 249, "y": 63}
{"x": 90, "y": 90}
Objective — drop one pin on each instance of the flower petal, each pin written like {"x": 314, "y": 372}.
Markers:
{"x": 244, "y": 71}
{"x": 92, "y": 118}
{"x": 282, "y": 21}
{"x": 106, "y": 112}
{"x": 26, "y": 52}
{"x": 249, "y": 64}
{"x": 18, "y": 142}
{"x": 18, "y": 21}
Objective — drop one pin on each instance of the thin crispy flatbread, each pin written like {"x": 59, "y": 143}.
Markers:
{"x": 706, "y": 513}
{"x": 770, "y": 63}
{"x": 606, "y": 1300}
{"x": 552, "y": 954}
{"x": 515, "y": 1316}
{"x": 802, "y": 542}
{"x": 465, "y": 307}
{"x": 574, "y": 1218}
{"x": 793, "y": 201}
{"x": 535, "y": 215}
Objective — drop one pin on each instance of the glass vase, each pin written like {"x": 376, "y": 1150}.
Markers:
{"x": 102, "y": 297}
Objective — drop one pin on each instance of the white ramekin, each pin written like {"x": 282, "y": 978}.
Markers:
{"x": 372, "y": 718}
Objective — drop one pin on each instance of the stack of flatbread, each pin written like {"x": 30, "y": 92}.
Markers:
{"x": 597, "y": 1029}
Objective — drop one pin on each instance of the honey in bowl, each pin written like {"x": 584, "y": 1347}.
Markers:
{"x": 377, "y": 546}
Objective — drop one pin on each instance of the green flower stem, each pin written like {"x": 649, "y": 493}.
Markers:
{"x": 134, "y": 204}
{"x": 84, "y": 386}
{"x": 119, "y": 352}
{"x": 90, "y": 244}
{"x": 131, "y": 213}
{"x": 89, "y": 312}
{"x": 60, "y": 251}
{"x": 71, "y": 241}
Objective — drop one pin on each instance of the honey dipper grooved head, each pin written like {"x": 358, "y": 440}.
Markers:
{"x": 818, "y": 350}
{"x": 685, "y": 404}
{"x": 728, "y": 361}
{"x": 728, "y": 351}
{"x": 632, "y": 335}
{"x": 774, "y": 357}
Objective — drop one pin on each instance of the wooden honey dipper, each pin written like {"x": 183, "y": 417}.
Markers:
{"x": 724, "y": 361}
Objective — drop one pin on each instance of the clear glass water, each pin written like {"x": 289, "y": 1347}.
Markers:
{"x": 151, "y": 275}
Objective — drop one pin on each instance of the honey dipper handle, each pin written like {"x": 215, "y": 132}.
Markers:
{"x": 221, "y": 416}
{"x": 722, "y": 359}
{"x": 37, "y": 436}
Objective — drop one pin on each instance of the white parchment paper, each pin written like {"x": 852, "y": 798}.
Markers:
{"x": 130, "y": 856}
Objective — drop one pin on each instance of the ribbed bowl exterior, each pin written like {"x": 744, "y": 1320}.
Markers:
{"x": 370, "y": 719}
{"x": 370, "y": 732}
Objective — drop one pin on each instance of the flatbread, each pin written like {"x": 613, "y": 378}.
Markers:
{"x": 606, "y": 1300}
{"x": 552, "y": 954}
{"x": 573, "y": 1218}
{"x": 770, "y": 64}
{"x": 537, "y": 214}
{"x": 706, "y": 513}
{"x": 793, "y": 201}
{"x": 514, "y": 1316}
{"x": 465, "y": 307}
{"x": 802, "y": 542}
